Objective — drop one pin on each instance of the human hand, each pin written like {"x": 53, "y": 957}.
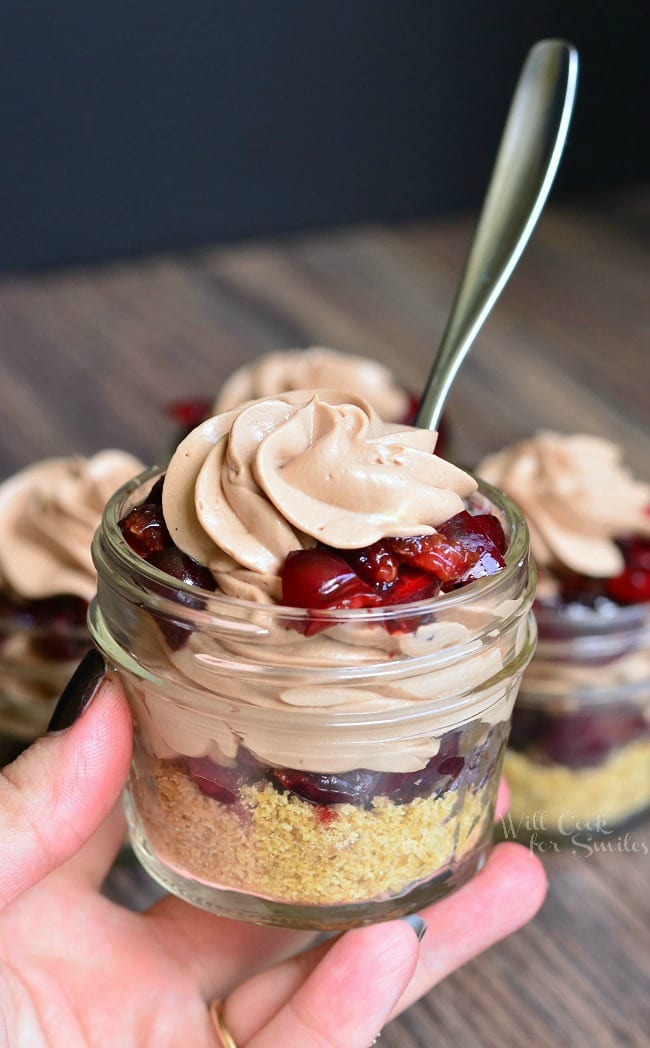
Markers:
{"x": 78, "y": 970}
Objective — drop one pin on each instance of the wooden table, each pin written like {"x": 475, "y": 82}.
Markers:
{"x": 88, "y": 358}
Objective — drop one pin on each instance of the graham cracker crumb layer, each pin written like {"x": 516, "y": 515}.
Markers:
{"x": 281, "y": 847}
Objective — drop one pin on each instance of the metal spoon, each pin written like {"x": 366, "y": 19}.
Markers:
{"x": 528, "y": 158}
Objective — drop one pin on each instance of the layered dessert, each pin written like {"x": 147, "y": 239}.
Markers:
{"x": 580, "y": 744}
{"x": 48, "y": 514}
{"x": 330, "y": 625}
{"x": 314, "y": 368}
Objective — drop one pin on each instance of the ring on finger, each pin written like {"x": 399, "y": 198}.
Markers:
{"x": 224, "y": 1036}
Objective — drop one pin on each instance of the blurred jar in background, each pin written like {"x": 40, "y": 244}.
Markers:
{"x": 579, "y": 751}
{"x": 314, "y": 368}
{"x": 48, "y": 515}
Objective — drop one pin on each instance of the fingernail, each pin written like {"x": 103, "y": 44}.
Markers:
{"x": 78, "y": 692}
{"x": 417, "y": 924}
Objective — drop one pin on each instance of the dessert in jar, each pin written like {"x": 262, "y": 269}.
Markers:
{"x": 48, "y": 514}
{"x": 321, "y": 626}
{"x": 579, "y": 752}
{"x": 314, "y": 368}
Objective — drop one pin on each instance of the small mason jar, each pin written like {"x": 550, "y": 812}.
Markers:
{"x": 579, "y": 752}
{"x": 312, "y": 769}
{"x": 36, "y": 661}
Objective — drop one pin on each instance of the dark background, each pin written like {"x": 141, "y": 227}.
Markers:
{"x": 131, "y": 126}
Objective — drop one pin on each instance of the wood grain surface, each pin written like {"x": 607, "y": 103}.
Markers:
{"x": 89, "y": 357}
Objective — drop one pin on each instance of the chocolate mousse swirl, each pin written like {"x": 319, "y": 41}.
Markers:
{"x": 247, "y": 487}
{"x": 315, "y": 368}
{"x": 577, "y": 498}
{"x": 48, "y": 515}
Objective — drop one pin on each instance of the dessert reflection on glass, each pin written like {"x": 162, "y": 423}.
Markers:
{"x": 321, "y": 627}
{"x": 48, "y": 514}
{"x": 580, "y": 744}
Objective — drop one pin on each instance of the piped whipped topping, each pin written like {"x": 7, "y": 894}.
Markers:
{"x": 315, "y": 368}
{"x": 48, "y": 515}
{"x": 247, "y": 487}
{"x": 577, "y": 498}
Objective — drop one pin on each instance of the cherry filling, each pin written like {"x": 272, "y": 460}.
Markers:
{"x": 56, "y": 625}
{"x": 577, "y": 740}
{"x": 394, "y": 570}
{"x": 447, "y": 770}
{"x": 145, "y": 531}
{"x": 390, "y": 572}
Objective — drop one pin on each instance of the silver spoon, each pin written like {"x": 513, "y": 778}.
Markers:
{"x": 528, "y": 158}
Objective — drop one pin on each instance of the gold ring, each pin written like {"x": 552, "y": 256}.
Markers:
{"x": 226, "y": 1039}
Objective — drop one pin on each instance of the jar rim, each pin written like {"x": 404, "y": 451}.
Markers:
{"x": 581, "y": 619}
{"x": 585, "y": 694}
{"x": 140, "y": 577}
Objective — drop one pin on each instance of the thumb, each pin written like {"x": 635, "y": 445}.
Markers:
{"x": 56, "y": 794}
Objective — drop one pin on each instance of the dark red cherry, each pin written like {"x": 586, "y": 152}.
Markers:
{"x": 451, "y": 766}
{"x": 636, "y": 550}
{"x": 378, "y": 565}
{"x": 411, "y": 585}
{"x": 317, "y": 579}
{"x": 145, "y": 530}
{"x": 632, "y": 586}
{"x": 581, "y": 589}
{"x": 353, "y": 787}
{"x": 219, "y": 782}
{"x": 432, "y": 553}
{"x": 491, "y": 527}
{"x": 482, "y": 553}
{"x": 177, "y": 564}
{"x": 438, "y": 775}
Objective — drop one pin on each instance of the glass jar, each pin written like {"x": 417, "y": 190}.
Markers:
{"x": 579, "y": 751}
{"x": 36, "y": 661}
{"x": 312, "y": 769}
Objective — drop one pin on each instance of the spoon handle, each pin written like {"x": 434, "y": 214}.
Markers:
{"x": 528, "y": 158}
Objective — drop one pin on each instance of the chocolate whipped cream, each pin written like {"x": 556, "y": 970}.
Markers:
{"x": 247, "y": 487}
{"x": 48, "y": 515}
{"x": 577, "y": 498}
{"x": 315, "y": 368}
